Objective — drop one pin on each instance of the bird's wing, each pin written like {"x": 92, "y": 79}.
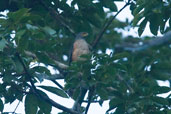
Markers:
{"x": 70, "y": 55}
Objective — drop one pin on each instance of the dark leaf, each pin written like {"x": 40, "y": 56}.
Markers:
{"x": 44, "y": 107}
{"x": 138, "y": 9}
{"x": 160, "y": 100}
{"x": 137, "y": 18}
{"x": 110, "y": 4}
{"x": 114, "y": 103}
{"x": 18, "y": 15}
{"x": 18, "y": 66}
{"x": 120, "y": 110}
{"x": 41, "y": 69}
{"x": 31, "y": 104}
{"x": 55, "y": 91}
{"x": 40, "y": 112}
{"x": 102, "y": 93}
{"x": 142, "y": 27}
{"x": 1, "y": 106}
{"x": 3, "y": 43}
{"x": 154, "y": 24}
{"x": 20, "y": 34}
{"x": 161, "y": 89}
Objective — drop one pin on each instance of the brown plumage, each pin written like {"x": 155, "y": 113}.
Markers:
{"x": 80, "y": 47}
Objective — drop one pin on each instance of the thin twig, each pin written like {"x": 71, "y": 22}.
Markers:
{"x": 86, "y": 101}
{"x": 16, "y": 107}
{"x": 99, "y": 36}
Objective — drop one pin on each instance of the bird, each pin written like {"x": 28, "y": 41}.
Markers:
{"x": 79, "y": 48}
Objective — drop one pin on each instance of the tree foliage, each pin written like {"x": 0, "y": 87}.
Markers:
{"x": 42, "y": 32}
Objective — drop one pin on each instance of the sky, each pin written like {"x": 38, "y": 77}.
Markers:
{"x": 94, "y": 108}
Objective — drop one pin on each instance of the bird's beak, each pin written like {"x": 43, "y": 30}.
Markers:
{"x": 85, "y": 34}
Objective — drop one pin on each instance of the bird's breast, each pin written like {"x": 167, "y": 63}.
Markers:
{"x": 81, "y": 44}
{"x": 80, "y": 47}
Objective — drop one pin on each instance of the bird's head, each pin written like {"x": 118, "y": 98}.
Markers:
{"x": 81, "y": 35}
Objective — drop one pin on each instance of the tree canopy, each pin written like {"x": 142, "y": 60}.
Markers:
{"x": 35, "y": 34}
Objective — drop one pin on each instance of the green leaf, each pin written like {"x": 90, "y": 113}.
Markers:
{"x": 31, "y": 104}
{"x": 162, "y": 26}
{"x": 3, "y": 43}
{"x": 31, "y": 27}
{"x": 120, "y": 55}
{"x": 154, "y": 24}
{"x": 8, "y": 78}
{"x": 18, "y": 15}
{"x": 138, "y": 9}
{"x": 43, "y": 57}
{"x": 2, "y": 21}
{"x": 41, "y": 69}
{"x": 102, "y": 93}
{"x": 20, "y": 33}
{"x": 160, "y": 100}
{"x": 40, "y": 112}
{"x": 93, "y": 19}
{"x": 160, "y": 75}
{"x": 18, "y": 66}
{"x": 168, "y": 111}
{"x": 55, "y": 91}
{"x": 120, "y": 110}
{"x": 114, "y": 103}
{"x": 1, "y": 106}
{"x": 142, "y": 27}
{"x": 110, "y": 4}
{"x": 49, "y": 30}
{"x": 137, "y": 18}
{"x": 44, "y": 107}
{"x": 161, "y": 89}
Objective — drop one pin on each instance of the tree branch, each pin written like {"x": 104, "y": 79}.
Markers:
{"x": 61, "y": 65}
{"x": 33, "y": 87}
{"x": 55, "y": 104}
{"x": 86, "y": 101}
{"x": 57, "y": 63}
{"x": 59, "y": 85}
{"x": 26, "y": 71}
{"x": 90, "y": 95}
{"x": 10, "y": 113}
{"x": 151, "y": 43}
{"x": 99, "y": 36}
{"x": 78, "y": 102}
